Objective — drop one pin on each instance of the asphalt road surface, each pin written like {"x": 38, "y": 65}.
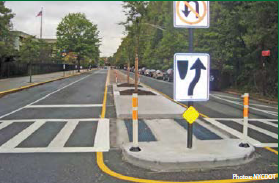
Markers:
{"x": 50, "y": 133}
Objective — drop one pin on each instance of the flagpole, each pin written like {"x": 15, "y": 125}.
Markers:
{"x": 41, "y": 30}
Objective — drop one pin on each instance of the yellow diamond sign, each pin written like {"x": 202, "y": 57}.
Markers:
{"x": 190, "y": 115}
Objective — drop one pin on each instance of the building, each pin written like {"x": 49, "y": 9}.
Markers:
{"x": 52, "y": 42}
{"x": 19, "y": 38}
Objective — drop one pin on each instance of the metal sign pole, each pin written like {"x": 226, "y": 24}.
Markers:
{"x": 30, "y": 72}
{"x": 190, "y": 103}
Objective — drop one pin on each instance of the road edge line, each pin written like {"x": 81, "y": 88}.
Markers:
{"x": 105, "y": 169}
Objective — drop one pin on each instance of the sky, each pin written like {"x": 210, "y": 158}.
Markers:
{"x": 106, "y": 14}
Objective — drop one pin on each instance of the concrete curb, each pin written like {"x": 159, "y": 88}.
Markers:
{"x": 183, "y": 161}
{"x": 36, "y": 84}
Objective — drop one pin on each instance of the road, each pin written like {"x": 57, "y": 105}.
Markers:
{"x": 47, "y": 132}
{"x": 54, "y": 132}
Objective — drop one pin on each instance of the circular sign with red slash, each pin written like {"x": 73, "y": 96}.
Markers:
{"x": 191, "y": 14}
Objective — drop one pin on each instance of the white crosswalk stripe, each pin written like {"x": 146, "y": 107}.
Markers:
{"x": 261, "y": 130}
{"x": 101, "y": 142}
{"x": 62, "y": 137}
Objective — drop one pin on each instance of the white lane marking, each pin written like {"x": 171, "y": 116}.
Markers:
{"x": 251, "y": 103}
{"x": 102, "y": 135}
{"x": 268, "y": 145}
{"x": 62, "y": 106}
{"x": 266, "y": 106}
{"x": 264, "y": 111}
{"x": 62, "y": 137}
{"x": 52, "y": 150}
{"x": 261, "y": 130}
{"x": 16, "y": 140}
{"x": 19, "y": 109}
{"x": 265, "y": 121}
{"x": 231, "y": 131}
{"x": 49, "y": 120}
{"x": 4, "y": 125}
{"x": 213, "y": 130}
{"x": 167, "y": 130}
{"x": 224, "y": 96}
{"x": 250, "y": 119}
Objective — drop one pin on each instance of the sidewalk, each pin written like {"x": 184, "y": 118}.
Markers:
{"x": 163, "y": 136}
{"x": 9, "y": 85}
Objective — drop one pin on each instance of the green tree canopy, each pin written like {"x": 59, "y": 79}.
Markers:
{"x": 238, "y": 32}
{"x": 75, "y": 33}
{"x": 6, "y": 38}
{"x": 30, "y": 50}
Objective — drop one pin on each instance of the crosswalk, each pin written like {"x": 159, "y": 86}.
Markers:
{"x": 261, "y": 132}
{"x": 36, "y": 135}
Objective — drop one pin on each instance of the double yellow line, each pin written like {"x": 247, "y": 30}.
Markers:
{"x": 105, "y": 169}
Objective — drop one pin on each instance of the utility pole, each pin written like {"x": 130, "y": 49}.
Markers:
{"x": 30, "y": 72}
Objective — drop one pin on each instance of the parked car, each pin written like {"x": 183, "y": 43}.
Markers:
{"x": 158, "y": 74}
{"x": 142, "y": 70}
{"x": 132, "y": 69}
{"x": 168, "y": 75}
{"x": 151, "y": 72}
{"x": 146, "y": 72}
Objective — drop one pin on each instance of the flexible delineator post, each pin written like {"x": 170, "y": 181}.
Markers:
{"x": 135, "y": 146}
{"x": 245, "y": 120}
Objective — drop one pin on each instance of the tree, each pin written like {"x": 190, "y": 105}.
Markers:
{"x": 75, "y": 33}
{"x": 30, "y": 51}
{"x": 6, "y": 38}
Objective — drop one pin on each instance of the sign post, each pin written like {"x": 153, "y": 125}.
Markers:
{"x": 190, "y": 115}
{"x": 193, "y": 86}
{"x": 190, "y": 103}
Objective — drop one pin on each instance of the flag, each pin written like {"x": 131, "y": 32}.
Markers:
{"x": 40, "y": 13}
